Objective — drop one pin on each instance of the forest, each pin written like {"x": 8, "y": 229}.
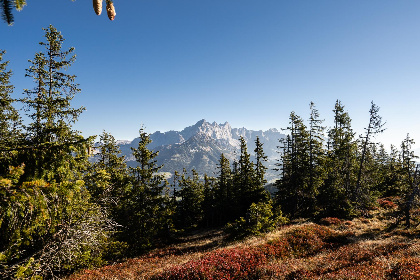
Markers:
{"x": 60, "y": 212}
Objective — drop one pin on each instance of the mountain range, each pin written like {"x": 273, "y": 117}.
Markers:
{"x": 199, "y": 147}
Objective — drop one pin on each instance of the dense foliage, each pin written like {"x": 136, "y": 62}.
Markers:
{"x": 338, "y": 174}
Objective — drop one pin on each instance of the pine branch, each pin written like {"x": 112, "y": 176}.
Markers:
{"x": 7, "y": 15}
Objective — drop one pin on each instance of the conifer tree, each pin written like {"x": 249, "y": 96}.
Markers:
{"x": 362, "y": 194}
{"x": 248, "y": 188}
{"x": 9, "y": 119}
{"x": 224, "y": 192}
{"x": 55, "y": 148}
{"x": 316, "y": 151}
{"x": 50, "y": 225}
{"x": 337, "y": 194}
{"x": 190, "y": 210}
{"x": 209, "y": 202}
{"x": 412, "y": 179}
{"x": 292, "y": 189}
{"x": 260, "y": 158}
{"x": 391, "y": 173}
{"x": 108, "y": 178}
{"x": 145, "y": 215}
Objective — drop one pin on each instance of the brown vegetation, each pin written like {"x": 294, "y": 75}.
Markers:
{"x": 363, "y": 248}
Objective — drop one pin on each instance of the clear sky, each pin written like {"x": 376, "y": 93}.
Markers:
{"x": 169, "y": 63}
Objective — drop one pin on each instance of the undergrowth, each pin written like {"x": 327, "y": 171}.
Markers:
{"x": 333, "y": 249}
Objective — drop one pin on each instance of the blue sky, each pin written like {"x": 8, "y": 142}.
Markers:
{"x": 169, "y": 63}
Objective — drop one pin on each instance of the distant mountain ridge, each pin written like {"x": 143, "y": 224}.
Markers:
{"x": 199, "y": 147}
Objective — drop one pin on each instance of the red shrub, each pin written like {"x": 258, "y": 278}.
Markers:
{"x": 408, "y": 268}
{"x": 221, "y": 264}
{"x": 330, "y": 221}
{"x": 386, "y": 203}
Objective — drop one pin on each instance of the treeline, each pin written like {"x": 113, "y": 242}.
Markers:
{"x": 333, "y": 173}
{"x": 59, "y": 212}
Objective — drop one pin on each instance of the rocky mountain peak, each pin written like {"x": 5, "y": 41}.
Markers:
{"x": 199, "y": 146}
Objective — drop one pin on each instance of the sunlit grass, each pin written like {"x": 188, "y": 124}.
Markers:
{"x": 363, "y": 248}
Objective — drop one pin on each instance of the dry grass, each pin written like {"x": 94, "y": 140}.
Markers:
{"x": 363, "y": 248}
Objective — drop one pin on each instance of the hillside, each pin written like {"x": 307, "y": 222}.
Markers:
{"x": 362, "y": 248}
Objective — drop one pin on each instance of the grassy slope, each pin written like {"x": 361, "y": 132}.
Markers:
{"x": 358, "y": 249}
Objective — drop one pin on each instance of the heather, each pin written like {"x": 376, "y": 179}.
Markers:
{"x": 356, "y": 249}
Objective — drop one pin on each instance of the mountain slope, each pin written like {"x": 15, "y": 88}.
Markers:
{"x": 199, "y": 147}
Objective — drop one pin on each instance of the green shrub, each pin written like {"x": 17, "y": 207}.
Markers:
{"x": 259, "y": 219}
{"x": 48, "y": 229}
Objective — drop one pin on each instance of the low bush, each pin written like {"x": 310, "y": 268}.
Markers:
{"x": 260, "y": 218}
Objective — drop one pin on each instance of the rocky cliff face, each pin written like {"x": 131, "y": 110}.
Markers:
{"x": 199, "y": 147}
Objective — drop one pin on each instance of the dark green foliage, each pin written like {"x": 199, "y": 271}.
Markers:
{"x": 189, "y": 209}
{"x": 390, "y": 173}
{"x": 247, "y": 185}
{"x": 260, "y": 158}
{"x": 108, "y": 180}
{"x": 337, "y": 193}
{"x": 6, "y": 6}
{"x": 7, "y": 15}
{"x": 363, "y": 195}
{"x": 10, "y": 134}
{"x": 145, "y": 216}
{"x": 54, "y": 150}
{"x": 209, "y": 202}
{"x": 224, "y": 194}
{"x": 294, "y": 194}
{"x": 258, "y": 219}
{"x": 108, "y": 183}
{"x": 411, "y": 192}
{"x": 48, "y": 228}
{"x": 317, "y": 171}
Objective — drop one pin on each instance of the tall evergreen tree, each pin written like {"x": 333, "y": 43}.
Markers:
{"x": 50, "y": 225}
{"x": 55, "y": 147}
{"x": 190, "y": 209}
{"x": 292, "y": 189}
{"x": 247, "y": 185}
{"x": 145, "y": 214}
{"x": 224, "y": 194}
{"x": 260, "y": 158}
{"x": 108, "y": 178}
{"x": 9, "y": 119}
{"x": 337, "y": 193}
{"x": 209, "y": 202}
{"x": 316, "y": 151}
{"x": 375, "y": 126}
{"x": 412, "y": 181}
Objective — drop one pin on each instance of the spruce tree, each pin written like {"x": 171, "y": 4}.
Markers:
{"x": 145, "y": 216}
{"x": 189, "y": 209}
{"x": 9, "y": 119}
{"x": 337, "y": 195}
{"x": 247, "y": 185}
{"x": 260, "y": 158}
{"x": 293, "y": 193}
{"x": 412, "y": 179}
{"x": 108, "y": 178}
{"x": 224, "y": 192}
{"x": 50, "y": 225}
{"x": 55, "y": 148}
{"x": 362, "y": 193}
{"x": 316, "y": 151}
